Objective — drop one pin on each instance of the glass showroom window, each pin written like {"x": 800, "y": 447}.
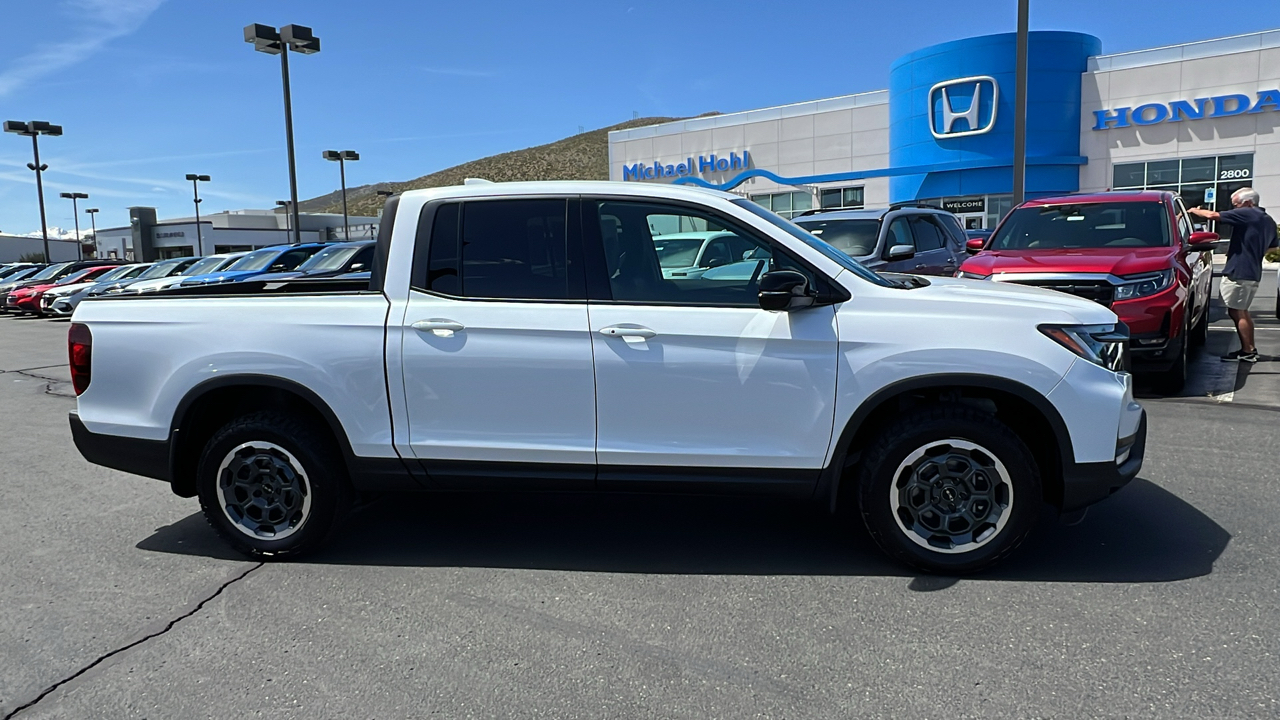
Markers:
{"x": 788, "y": 204}
{"x": 832, "y": 198}
{"x": 1190, "y": 178}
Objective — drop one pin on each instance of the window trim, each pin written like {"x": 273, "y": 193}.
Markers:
{"x": 829, "y": 291}
{"x": 573, "y": 248}
{"x": 885, "y": 224}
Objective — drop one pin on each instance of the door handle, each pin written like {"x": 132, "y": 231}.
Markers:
{"x": 629, "y": 334}
{"x": 921, "y": 266}
{"x": 440, "y": 328}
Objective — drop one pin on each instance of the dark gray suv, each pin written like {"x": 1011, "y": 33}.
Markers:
{"x": 913, "y": 239}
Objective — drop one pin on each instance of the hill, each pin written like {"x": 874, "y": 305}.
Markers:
{"x": 584, "y": 156}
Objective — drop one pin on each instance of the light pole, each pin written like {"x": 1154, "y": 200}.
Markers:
{"x": 285, "y": 204}
{"x": 75, "y": 214}
{"x": 1020, "y": 108}
{"x": 195, "y": 195}
{"x": 93, "y": 221}
{"x": 34, "y": 129}
{"x": 341, "y": 157}
{"x": 269, "y": 40}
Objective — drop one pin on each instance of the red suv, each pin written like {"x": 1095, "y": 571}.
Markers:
{"x": 1135, "y": 252}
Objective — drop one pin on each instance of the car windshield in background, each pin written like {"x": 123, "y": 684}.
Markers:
{"x": 1084, "y": 225}
{"x": 206, "y": 265}
{"x": 73, "y": 278}
{"x": 812, "y": 241}
{"x": 159, "y": 270}
{"x": 119, "y": 272}
{"x": 677, "y": 253}
{"x": 331, "y": 258}
{"x": 50, "y": 271}
{"x": 253, "y": 261}
{"x": 856, "y": 238}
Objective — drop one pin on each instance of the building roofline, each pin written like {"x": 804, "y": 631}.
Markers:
{"x": 842, "y": 102}
{"x": 1186, "y": 51}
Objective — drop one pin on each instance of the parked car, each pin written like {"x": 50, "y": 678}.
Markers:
{"x": 159, "y": 270}
{"x": 332, "y": 261}
{"x": 1133, "y": 252}
{"x": 527, "y": 353}
{"x": 26, "y": 299}
{"x": 11, "y": 269}
{"x": 61, "y": 302}
{"x": 918, "y": 240}
{"x": 977, "y": 234}
{"x": 48, "y": 275}
{"x": 14, "y": 280}
{"x": 275, "y": 259}
{"x": 202, "y": 266}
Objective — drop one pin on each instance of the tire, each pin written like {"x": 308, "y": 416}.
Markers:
{"x": 982, "y": 505}
{"x": 1278, "y": 304}
{"x": 1171, "y": 381}
{"x": 1200, "y": 332}
{"x": 293, "y": 488}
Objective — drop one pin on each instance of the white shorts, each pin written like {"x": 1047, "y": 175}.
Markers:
{"x": 1238, "y": 294}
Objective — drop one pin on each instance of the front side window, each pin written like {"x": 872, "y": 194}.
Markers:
{"x": 855, "y": 238}
{"x": 899, "y": 233}
{"x": 928, "y": 234}
{"x": 502, "y": 249}
{"x": 1088, "y": 225}
{"x": 258, "y": 260}
{"x": 725, "y": 271}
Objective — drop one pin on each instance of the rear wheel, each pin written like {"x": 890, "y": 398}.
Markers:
{"x": 272, "y": 485}
{"x": 949, "y": 489}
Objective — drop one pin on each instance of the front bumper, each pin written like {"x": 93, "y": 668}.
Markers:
{"x": 148, "y": 458}
{"x": 1084, "y": 484}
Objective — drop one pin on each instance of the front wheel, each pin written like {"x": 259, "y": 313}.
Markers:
{"x": 949, "y": 489}
{"x": 272, "y": 485}
{"x": 1200, "y": 331}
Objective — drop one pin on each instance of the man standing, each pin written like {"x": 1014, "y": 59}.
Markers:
{"x": 1252, "y": 233}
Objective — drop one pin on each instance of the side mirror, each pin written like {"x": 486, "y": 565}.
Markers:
{"x": 782, "y": 290}
{"x": 356, "y": 267}
{"x": 1201, "y": 242}
{"x": 278, "y": 267}
{"x": 900, "y": 252}
{"x": 974, "y": 245}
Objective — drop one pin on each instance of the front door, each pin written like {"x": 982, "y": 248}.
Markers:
{"x": 692, "y": 377}
{"x": 496, "y": 347}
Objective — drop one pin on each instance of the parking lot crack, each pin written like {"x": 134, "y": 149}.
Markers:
{"x": 146, "y": 638}
{"x": 52, "y": 386}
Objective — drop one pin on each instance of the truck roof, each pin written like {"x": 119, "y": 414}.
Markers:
{"x": 561, "y": 187}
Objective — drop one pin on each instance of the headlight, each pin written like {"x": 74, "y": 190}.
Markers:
{"x": 1136, "y": 286}
{"x": 971, "y": 276}
{"x": 1102, "y": 345}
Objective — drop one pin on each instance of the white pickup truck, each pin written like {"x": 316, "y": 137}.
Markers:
{"x": 524, "y": 337}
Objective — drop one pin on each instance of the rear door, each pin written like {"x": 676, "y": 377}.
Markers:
{"x": 496, "y": 350}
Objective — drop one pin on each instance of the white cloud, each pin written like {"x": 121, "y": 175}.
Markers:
{"x": 96, "y": 23}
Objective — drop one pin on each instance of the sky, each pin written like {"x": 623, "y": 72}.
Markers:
{"x": 150, "y": 90}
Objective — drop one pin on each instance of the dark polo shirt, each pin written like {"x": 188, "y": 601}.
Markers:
{"x": 1253, "y": 233}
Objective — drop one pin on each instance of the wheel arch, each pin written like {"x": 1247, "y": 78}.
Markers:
{"x": 212, "y": 403}
{"x": 1026, "y": 411}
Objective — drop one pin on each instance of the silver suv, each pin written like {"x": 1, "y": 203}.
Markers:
{"x": 913, "y": 239}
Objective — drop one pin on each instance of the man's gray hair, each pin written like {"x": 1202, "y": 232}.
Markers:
{"x": 1246, "y": 195}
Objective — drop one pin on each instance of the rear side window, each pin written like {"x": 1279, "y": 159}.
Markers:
{"x": 502, "y": 249}
{"x": 954, "y": 230}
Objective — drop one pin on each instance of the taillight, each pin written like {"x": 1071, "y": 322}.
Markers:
{"x": 79, "y": 347}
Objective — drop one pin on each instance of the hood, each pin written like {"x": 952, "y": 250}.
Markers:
{"x": 956, "y": 291}
{"x": 69, "y": 289}
{"x": 1114, "y": 261}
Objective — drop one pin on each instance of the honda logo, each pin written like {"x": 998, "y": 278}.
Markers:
{"x": 972, "y": 99}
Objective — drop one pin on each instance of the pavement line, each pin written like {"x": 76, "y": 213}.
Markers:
{"x": 117, "y": 651}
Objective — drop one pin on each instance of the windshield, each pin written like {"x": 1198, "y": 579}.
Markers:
{"x": 856, "y": 238}
{"x": 1084, "y": 225}
{"x": 21, "y": 275}
{"x": 6, "y": 272}
{"x": 254, "y": 260}
{"x": 330, "y": 258}
{"x": 75, "y": 277}
{"x": 799, "y": 233}
{"x": 122, "y": 271}
{"x": 50, "y": 271}
{"x": 677, "y": 253}
{"x": 204, "y": 265}
{"x": 159, "y": 270}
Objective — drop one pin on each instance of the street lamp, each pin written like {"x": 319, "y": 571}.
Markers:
{"x": 269, "y": 40}
{"x": 93, "y": 221}
{"x": 285, "y": 204}
{"x": 34, "y": 129}
{"x": 341, "y": 157}
{"x": 75, "y": 214}
{"x": 195, "y": 194}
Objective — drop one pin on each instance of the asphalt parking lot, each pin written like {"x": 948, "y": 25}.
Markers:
{"x": 1164, "y": 602}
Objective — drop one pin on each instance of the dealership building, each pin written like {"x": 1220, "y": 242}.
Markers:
{"x": 1201, "y": 119}
{"x": 146, "y": 238}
